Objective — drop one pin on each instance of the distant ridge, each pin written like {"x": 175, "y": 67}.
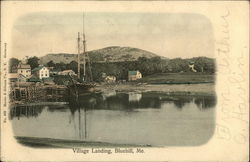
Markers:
{"x": 107, "y": 54}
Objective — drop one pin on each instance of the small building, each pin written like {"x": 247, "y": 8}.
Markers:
{"x": 67, "y": 72}
{"x": 110, "y": 79}
{"x": 24, "y": 69}
{"x": 41, "y": 72}
{"x": 15, "y": 77}
{"x": 134, "y": 75}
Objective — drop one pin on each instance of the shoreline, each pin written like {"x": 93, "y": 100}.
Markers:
{"x": 204, "y": 89}
{"x": 181, "y": 89}
{"x": 40, "y": 142}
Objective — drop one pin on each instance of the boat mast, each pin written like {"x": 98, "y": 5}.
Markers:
{"x": 84, "y": 73}
{"x": 84, "y": 48}
{"x": 78, "y": 57}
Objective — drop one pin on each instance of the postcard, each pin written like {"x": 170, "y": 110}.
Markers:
{"x": 124, "y": 81}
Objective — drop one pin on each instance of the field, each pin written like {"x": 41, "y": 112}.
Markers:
{"x": 178, "y": 78}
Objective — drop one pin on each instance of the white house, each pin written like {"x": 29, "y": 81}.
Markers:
{"x": 134, "y": 75}
{"x": 41, "y": 72}
{"x": 24, "y": 69}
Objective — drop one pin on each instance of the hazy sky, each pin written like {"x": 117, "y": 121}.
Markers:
{"x": 169, "y": 35}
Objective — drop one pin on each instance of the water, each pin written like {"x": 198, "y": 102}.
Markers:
{"x": 150, "y": 118}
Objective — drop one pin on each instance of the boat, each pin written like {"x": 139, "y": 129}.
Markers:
{"x": 82, "y": 84}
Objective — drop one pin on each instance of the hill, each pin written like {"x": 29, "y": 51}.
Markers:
{"x": 108, "y": 54}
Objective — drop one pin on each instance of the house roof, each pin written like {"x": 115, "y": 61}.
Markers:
{"x": 23, "y": 66}
{"x": 15, "y": 76}
{"x": 132, "y": 72}
{"x": 12, "y": 75}
{"x": 37, "y": 68}
{"x": 66, "y": 71}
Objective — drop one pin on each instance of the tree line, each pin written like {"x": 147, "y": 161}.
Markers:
{"x": 147, "y": 66}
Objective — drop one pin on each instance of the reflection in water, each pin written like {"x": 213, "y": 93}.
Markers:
{"x": 130, "y": 101}
{"x": 205, "y": 102}
{"x": 134, "y": 97}
{"x": 119, "y": 101}
{"x": 25, "y": 111}
{"x": 121, "y": 118}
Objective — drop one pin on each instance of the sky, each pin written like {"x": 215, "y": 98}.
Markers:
{"x": 166, "y": 34}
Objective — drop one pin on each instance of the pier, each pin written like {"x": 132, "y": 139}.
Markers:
{"x": 37, "y": 92}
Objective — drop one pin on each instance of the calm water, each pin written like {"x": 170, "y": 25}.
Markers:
{"x": 126, "y": 118}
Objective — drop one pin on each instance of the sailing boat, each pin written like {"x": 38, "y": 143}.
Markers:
{"x": 84, "y": 83}
{"x": 81, "y": 86}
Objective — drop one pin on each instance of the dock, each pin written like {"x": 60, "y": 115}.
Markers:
{"x": 23, "y": 93}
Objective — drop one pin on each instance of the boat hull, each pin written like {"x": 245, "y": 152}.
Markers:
{"x": 83, "y": 87}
